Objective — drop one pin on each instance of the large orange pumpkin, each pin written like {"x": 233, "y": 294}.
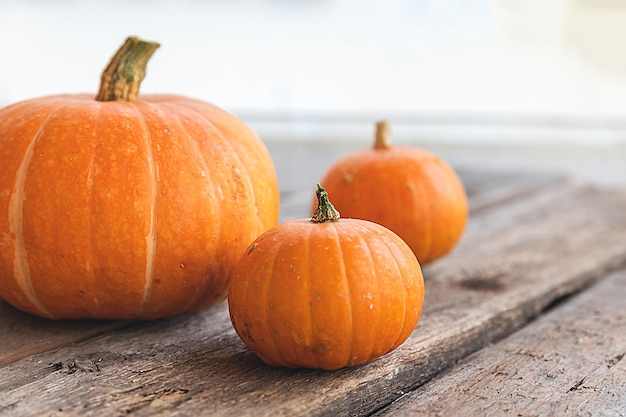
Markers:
{"x": 126, "y": 206}
{"x": 417, "y": 194}
{"x": 326, "y": 292}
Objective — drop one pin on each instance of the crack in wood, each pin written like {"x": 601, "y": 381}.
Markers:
{"x": 577, "y": 385}
{"x": 482, "y": 284}
{"x": 8, "y": 407}
{"x": 616, "y": 359}
{"x": 164, "y": 397}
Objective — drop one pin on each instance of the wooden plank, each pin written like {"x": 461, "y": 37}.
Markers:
{"x": 514, "y": 261}
{"x": 24, "y": 334}
{"x": 571, "y": 361}
{"x": 486, "y": 189}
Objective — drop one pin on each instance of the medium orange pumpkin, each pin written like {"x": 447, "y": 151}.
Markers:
{"x": 326, "y": 292}
{"x": 418, "y": 196}
{"x": 125, "y": 207}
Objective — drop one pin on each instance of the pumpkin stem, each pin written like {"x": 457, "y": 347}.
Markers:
{"x": 325, "y": 211}
{"x": 121, "y": 78}
{"x": 383, "y": 132}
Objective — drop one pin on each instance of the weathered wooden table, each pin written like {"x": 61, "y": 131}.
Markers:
{"x": 527, "y": 317}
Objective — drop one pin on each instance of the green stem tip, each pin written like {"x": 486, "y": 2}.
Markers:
{"x": 325, "y": 211}
{"x": 121, "y": 78}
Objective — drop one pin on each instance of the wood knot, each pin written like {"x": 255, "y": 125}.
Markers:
{"x": 482, "y": 284}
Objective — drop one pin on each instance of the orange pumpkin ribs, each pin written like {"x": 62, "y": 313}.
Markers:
{"x": 418, "y": 195}
{"x": 325, "y": 293}
{"x": 126, "y": 206}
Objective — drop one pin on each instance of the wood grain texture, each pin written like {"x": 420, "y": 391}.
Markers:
{"x": 570, "y": 362}
{"x": 23, "y": 334}
{"x": 487, "y": 189}
{"x": 516, "y": 259}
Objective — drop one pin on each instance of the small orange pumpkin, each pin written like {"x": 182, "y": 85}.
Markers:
{"x": 419, "y": 196}
{"x": 326, "y": 292}
{"x": 126, "y": 206}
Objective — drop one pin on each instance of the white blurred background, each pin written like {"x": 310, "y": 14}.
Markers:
{"x": 536, "y": 85}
